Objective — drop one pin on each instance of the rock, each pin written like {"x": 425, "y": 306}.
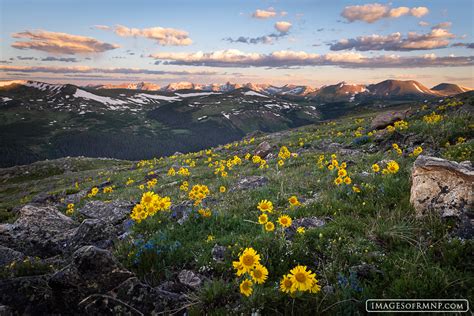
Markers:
{"x": 143, "y": 297}
{"x": 28, "y": 295}
{"x": 445, "y": 188}
{"x": 306, "y": 222}
{"x": 366, "y": 271}
{"x": 263, "y": 149}
{"x": 100, "y": 304}
{"x": 189, "y": 278}
{"x": 38, "y": 231}
{"x": 114, "y": 212}
{"x": 92, "y": 271}
{"x": 251, "y": 182}
{"x": 328, "y": 289}
{"x": 8, "y": 255}
{"x": 218, "y": 253}
{"x": 94, "y": 232}
{"x": 44, "y": 199}
{"x": 387, "y": 118}
{"x": 6, "y": 311}
{"x": 75, "y": 197}
{"x": 180, "y": 212}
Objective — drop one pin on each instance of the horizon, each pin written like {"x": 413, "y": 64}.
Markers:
{"x": 273, "y": 42}
{"x": 7, "y": 82}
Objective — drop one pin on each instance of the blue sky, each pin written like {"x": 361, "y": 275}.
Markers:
{"x": 295, "y": 41}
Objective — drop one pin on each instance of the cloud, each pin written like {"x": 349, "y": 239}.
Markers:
{"x": 164, "y": 36}
{"x": 286, "y": 58}
{"x": 63, "y": 59}
{"x": 436, "y": 38}
{"x": 25, "y": 58}
{"x": 266, "y": 39}
{"x": 467, "y": 45}
{"x": 419, "y": 11}
{"x": 88, "y": 70}
{"x": 443, "y": 25}
{"x": 60, "y": 43}
{"x": 375, "y": 11}
{"x": 101, "y": 27}
{"x": 283, "y": 26}
{"x": 264, "y": 14}
{"x": 423, "y": 23}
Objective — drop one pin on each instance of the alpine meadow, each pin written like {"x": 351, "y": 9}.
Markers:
{"x": 238, "y": 157}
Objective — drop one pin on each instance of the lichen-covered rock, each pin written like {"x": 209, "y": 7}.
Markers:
{"x": 8, "y": 255}
{"x": 387, "y": 118}
{"x": 114, "y": 212}
{"x": 445, "y": 188}
{"x": 306, "y": 223}
{"x": 218, "y": 253}
{"x": 251, "y": 182}
{"x": 28, "y": 295}
{"x": 94, "y": 232}
{"x": 92, "y": 271}
{"x": 189, "y": 278}
{"x": 263, "y": 149}
{"x": 38, "y": 231}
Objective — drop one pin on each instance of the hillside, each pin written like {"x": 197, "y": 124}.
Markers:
{"x": 77, "y": 241}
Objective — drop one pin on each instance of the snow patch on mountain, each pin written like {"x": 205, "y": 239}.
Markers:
{"x": 256, "y": 94}
{"x": 90, "y": 96}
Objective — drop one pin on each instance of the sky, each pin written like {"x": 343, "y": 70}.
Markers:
{"x": 261, "y": 41}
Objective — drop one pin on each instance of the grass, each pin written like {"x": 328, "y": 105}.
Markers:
{"x": 410, "y": 257}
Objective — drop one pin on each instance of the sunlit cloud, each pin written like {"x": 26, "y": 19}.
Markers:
{"x": 283, "y": 26}
{"x": 286, "y": 58}
{"x": 442, "y": 25}
{"x": 436, "y": 38}
{"x": 264, "y": 14}
{"x": 467, "y": 45}
{"x": 375, "y": 11}
{"x": 163, "y": 36}
{"x": 88, "y": 70}
{"x": 423, "y": 23}
{"x": 60, "y": 43}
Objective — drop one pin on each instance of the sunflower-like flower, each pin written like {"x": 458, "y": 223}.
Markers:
{"x": 284, "y": 221}
{"x": 246, "y": 287}
{"x": 294, "y": 201}
{"x": 286, "y": 284}
{"x": 265, "y": 206}
{"x": 259, "y": 274}
{"x": 269, "y": 227}
{"x": 249, "y": 259}
{"x": 303, "y": 280}
{"x": 263, "y": 218}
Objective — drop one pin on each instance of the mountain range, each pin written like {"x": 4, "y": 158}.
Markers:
{"x": 384, "y": 88}
{"x": 40, "y": 120}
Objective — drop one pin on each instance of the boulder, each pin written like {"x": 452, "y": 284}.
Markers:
{"x": 114, "y": 212}
{"x": 306, "y": 222}
{"x": 445, "y": 188}
{"x": 94, "y": 232}
{"x": 29, "y": 295}
{"x": 387, "y": 118}
{"x": 251, "y": 182}
{"x": 38, "y": 231}
{"x": 8, "y": 255}
{"x": 218, "y": 253}
{"x": 189, "y": 278}
{"x": 263, "y": 149}
{"x": 91, "y": 271}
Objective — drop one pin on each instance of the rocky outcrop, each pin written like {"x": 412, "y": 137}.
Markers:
{"x": 114, "y": 212}
{"x": 38, "y": 231}
{"x": 263, "y": 149}
{"x": 445, "y": 188}
{"x": 92, "y": 270}
{"x": 387, "y": 118}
